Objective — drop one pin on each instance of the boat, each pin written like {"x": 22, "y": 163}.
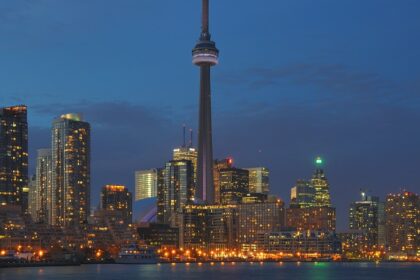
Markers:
{"x": 137, "y": 255}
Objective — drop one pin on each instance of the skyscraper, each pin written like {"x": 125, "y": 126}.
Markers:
{"x": 320, "y": 183}
{"x": 13, "y": 155}
{"x": 302, "y": 194}
{"x": 234, "y": 184}
{"x": 175, "y": 189}
{"x": 146, "y": 184}
{"x": 117, "y": 198}
{"x": 43, "y": 186}
{"x": 402, "y": 213}
{"x": 71, "y": 171}
{"x": 187, "y": 153}
{"x": 367, "y": 216}
{"x": 259, "y": 180}
{"x": 205, "y": 55}
{"x": 217, "y": 167}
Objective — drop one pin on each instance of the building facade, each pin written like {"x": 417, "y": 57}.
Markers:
{"x": 13, "y": 156}
{"x": 311, "y": 243}
{"x": 367, "y": 216}
{"x": 255, "y": 219}
{"x": 44, "y": 193}
{"x": 320, "y": 183}
{"x": 259, "y": 180}
{"x": 208, "y": 226}
{"x": 32, "y": 198}
{"x": 234, "y": 184}
{"x": 402, "y": 212}
{"x": 159, "y": 235}
{"x": 311, "y": 218}
{"x": 302, "y": 195}
{"x": 187, "y": 153}
{"x": 71, "y": 171}
{"x": 176, "y": 189}
{"x": 217, "y": 167}
{"x": 146, "y": 184}
{"x": 118, "y": 198}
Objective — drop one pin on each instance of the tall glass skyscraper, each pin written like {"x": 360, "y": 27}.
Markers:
{"x": 259, "y": 180}
{"x": 217, "y": 167}
{"x": 234, "y": 184}
{"x": 146, "y": 184}
{"x": 175, "y": 189}
{"x": 320, "y": 183}
{"x": 187, "y": 153}
{"x": 302, "y": 194}
{"x": 71, "y": 171}
{"x": 13, "y": 156}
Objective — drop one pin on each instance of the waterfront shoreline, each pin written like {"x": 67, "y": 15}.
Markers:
{"x": 230, "y": 262}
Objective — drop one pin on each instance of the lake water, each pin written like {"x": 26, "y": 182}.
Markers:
{"x": 241, "y": 271}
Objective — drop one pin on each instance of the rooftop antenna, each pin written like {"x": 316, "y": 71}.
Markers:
{"x": 183, "y": 135}
{"x": 191, "y": 138}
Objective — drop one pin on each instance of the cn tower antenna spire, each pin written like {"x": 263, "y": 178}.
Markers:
{"x": 205, "y": 17}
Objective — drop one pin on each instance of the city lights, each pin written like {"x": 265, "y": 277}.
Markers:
{"x": 203, "y": 211}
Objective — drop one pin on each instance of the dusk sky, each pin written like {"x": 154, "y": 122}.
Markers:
{"x": 296, "y": 79}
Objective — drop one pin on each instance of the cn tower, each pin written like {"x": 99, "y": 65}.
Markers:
{"x": 205, "y": 55}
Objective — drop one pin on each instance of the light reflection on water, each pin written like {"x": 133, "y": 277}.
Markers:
{"x": 217, "y": 271}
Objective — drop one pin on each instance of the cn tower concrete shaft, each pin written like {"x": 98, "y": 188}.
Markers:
{"x": 205, "y": 55}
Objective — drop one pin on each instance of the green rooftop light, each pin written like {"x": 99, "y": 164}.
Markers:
{"x": 319, "y": 161}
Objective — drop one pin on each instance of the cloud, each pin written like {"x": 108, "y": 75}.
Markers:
{"x": 332, "y": 81}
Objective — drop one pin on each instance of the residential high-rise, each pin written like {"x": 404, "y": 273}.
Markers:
{"x": 146, "y": 184}
{"x": 13, "y": 155}
{"x": 71, "y": 171}
{"x": 118, "y": 198}
{"x": 302, "y": 195}
{"x": 259, "y": 180}
{"x": 208, "y": 226}
{"x": 217, "y": 167}
{"x": 256, "y": 219}
{"x": 175, "y": 189}
{"x": 205, "y": 55}
{"x": 366, "y": 216}
{"x": 311, "y": 218}
{"x": 320, "y": 183}
{"x": 234, "y": 184}
{"x": 44, "y": 187}
{"x": 402, "y": 212}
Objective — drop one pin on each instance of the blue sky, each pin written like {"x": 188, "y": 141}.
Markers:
{"x": 296, "y": 79}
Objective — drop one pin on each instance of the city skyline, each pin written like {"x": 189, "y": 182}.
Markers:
{"x": 366, "y": 162}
